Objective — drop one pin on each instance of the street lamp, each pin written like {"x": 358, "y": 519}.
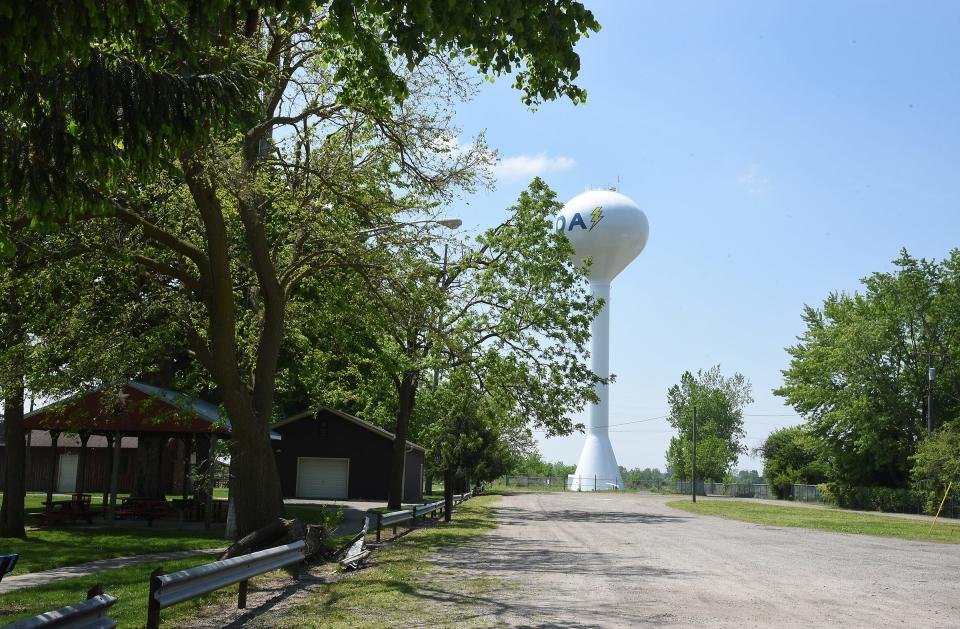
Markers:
{"x": 449, "y": 223}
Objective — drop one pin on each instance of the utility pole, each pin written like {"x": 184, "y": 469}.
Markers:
{"x": 693, "y": 462}
{"x": 931, "y": 376}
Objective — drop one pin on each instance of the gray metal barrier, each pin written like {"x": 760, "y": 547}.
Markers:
{"x": 169, "y": 589}
{"x": 90, "y": 614}
{"x": 395, "y": 518}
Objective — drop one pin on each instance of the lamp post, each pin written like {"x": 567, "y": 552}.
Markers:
{"x": 449, "y": 223}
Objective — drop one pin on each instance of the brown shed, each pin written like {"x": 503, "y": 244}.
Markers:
{"x": 330, "y": 454}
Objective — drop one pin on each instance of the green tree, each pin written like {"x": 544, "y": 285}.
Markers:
{"x": 508, "y": 307}
{"x": 936, "y": 466}
{"x": 236, "y": 221}
{"x": 719, "y": 403}
{"x": 792, "y": 456}
{"x": 750, "y": 477}
{"x": 858, "y": 374}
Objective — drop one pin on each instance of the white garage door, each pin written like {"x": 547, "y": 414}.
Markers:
{"x": 322, "y": 478}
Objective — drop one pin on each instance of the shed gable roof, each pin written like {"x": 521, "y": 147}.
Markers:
{"x": 345, "y": 416}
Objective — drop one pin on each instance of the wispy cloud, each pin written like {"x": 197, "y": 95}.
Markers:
{"x": 753, "y": 182}
{"x": 529, "y": 166}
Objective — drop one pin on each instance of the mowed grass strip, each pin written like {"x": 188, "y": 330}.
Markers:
{"x": 835, "y": 520}
{"x": 130, "y": 585}
{"x": 54, "y": 547}
{"x": 399, "y": 589}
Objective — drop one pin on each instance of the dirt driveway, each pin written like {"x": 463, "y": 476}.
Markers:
{"x": 600, "y": 560}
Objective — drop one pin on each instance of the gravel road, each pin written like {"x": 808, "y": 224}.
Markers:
{"x": 601, "y": 560}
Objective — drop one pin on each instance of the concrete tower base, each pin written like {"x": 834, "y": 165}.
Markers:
{"x": 597, "y": 469}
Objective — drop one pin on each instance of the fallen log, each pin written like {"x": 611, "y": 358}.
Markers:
{"x": 277, "y": 533}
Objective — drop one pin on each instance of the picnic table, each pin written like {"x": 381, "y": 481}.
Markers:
{"x": 76, "y": 508}
{"x": 148, "y": 509}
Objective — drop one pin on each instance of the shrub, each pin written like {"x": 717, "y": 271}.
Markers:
{"x": 936, "y": 464}
{"x": 872, "y": 498}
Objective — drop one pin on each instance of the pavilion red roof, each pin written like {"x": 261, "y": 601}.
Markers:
{"x": 131, "y": 408}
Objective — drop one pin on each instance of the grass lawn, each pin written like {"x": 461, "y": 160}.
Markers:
{"x": 835, "y": 520}
{"x": 396, "y": 589}
{"x": 129, "y": 585}
{"x": 62, "y": 546}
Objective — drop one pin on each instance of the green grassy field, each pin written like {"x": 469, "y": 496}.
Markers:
{"x": 129, "y": 585}
{"x": 394, "y": 590}
{"x": 835, "y": 520}
{"x": 62, "y": 546}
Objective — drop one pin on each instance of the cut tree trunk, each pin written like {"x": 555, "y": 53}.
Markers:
{"x": 276, "y": 533}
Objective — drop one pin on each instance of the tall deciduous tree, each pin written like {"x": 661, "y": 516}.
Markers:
{"x": 859, "y": 373}
{"x": 221, "y": 223}
{"x": 719, "y": 403}
{"x": 508, "y": 308}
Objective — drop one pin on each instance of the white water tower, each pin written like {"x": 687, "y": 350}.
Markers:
{"x": 611, "y": 230}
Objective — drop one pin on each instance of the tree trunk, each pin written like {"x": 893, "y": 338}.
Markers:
{"x": 428, "y": 484}
{"x": 149, "y": 456}
{"x": 11, "y": 513}
{"x": 407, "y": 393}
{"x": 258, "y": 486}
{"x": 258, "y": 498}
{"x": 448, "y": 480}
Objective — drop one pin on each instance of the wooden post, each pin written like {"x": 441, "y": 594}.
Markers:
{"x": 153, "y": 605}
{"x": 106, "y": 486}
{"x": 115, "y": 481}
{"x": 52, "y": 486}
{"x": 82, "y": 462}
{"x": 242, "y": 595}
{"x": 211, "y": 475}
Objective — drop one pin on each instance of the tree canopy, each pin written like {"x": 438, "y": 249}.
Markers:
{"x": 859, "y": 373}
{"x": 93, "y": 91}
{"x": 719, "y": 403}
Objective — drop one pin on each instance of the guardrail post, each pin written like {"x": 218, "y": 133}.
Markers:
{"x": 242, "y": 595}
{"x": 153, "y": 605}
{"x": 379, "y": 525}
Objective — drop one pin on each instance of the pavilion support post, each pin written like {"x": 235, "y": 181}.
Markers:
{"x": 114, "y": 478}
{"x": 106, "y": 479}
{"x": 187, "y": 447}
{"x": 26, "y": 458}
{"x": 52, "y": 485}
{"x": 211, "y": 477}
{"x": 82, "y": 462}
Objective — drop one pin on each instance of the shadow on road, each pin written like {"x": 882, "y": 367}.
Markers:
{"x": 510, "y": 516}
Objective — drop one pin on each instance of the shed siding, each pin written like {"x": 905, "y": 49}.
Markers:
{"x": 328, "y": 435}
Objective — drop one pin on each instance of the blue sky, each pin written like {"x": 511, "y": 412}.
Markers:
{"x": 780, "y": 151}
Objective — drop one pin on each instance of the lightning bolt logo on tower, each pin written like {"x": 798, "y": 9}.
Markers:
{"x": 597, "y": 216}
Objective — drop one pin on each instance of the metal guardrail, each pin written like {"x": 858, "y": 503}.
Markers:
{"x": 90, "y": 614}
{"x": 167, "y": 590}
{"x": 434, "y": 509}
{"x": 7, "y": 564}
